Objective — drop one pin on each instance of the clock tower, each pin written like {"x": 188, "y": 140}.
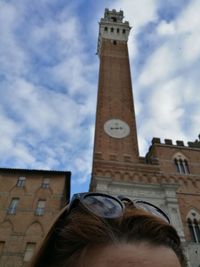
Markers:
{"x": 115, "y": 133}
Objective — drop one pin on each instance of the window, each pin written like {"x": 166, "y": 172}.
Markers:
{"x": 40, "y": 207}
{"x": 13, "y": 206}
{"x": 114, "y": 19}
{"x": 106, "y": 29}
{"x": 124, "y": 31}
{"x": 186, "y": 166}
{"x": 193, "y": 222}
{"x": 197, "y": 230}
{"x": 181, "y": 164}
{"x": 112, "y": 29}
{"x": 21, "y": 181}
{"x": 177, "y": 165}
{"x": 2, "y": 245}
{"x": 30, "y": 247}
{"x": 117, "y": 30}
{"x": 194, "y": 229}
{"x": 45, "y": 183}
{"x": 191, "y": 229}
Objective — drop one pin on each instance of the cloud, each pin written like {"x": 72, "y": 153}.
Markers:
{"x": 48, "y": 76}
{"x": 166, "y": 29}
{"x": 48, "y": 88}
{"x": 166, "y": 85}
{"x": 159, "y": 66}
{"x": 139, "y": 14}
{"x": 12, "y": 57}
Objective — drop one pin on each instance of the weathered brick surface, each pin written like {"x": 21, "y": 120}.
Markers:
{"x": 115, "y": 101}
{"x": 24, "y": 226}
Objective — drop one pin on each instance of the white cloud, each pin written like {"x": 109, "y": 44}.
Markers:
{"x": 189, "y": 19}
{"x": 191, "y": 47}
{"x": 166, "y": 29}
{"x": 10, "y": 147}
{"x": 169, "y": 77}
{"x": 49, "y": 94}
{"x": 64, "y": 36}
{"x": 12, "y": 57}
{"x": 168, "y": 99}
{"x": 138, "y": 13}
{"x": 159, "y": 66}
{"x": 185, "y": 30}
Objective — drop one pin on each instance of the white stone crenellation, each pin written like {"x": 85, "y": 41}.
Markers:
{"x": 113, "y": 28}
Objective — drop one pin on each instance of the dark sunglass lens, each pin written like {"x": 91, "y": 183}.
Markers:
{"x": 153, "y": 210}
{"x": 103, "y": 206}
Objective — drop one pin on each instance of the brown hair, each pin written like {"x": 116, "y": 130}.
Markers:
{"x": 72, "y": 234}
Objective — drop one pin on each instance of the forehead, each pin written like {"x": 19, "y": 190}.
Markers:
{"x": 127, "y": 255}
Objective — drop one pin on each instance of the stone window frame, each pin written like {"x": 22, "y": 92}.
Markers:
{"x": 181, "y": 163}
{"x": 193, "y": 223}
{"x": 40, "y": 209}
{"x": 13, "y": 206}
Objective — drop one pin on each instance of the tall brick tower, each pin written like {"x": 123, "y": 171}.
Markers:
{"x": 115, "y": 135}
{"x": 115, "y": 123}
{"x": 169, "y": 175}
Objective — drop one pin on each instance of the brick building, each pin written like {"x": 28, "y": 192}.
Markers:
{"x": 169, "y": 174}
{"x": 29, "y": 201}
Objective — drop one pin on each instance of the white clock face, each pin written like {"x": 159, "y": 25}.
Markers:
{"x": 116, "y": 128}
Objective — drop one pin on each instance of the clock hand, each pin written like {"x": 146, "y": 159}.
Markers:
{"x": 116, "y": 128}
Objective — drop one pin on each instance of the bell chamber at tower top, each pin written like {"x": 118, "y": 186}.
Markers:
{"x": 112, "y": 27}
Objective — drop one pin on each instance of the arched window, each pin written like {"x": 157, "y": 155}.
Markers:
{"x": 193, "y": 223}
{"x": 181, "y": 164}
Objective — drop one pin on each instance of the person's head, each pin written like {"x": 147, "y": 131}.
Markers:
{"x": 100, "y": 230}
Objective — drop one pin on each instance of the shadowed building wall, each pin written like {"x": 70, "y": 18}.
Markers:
{"x": 29, "y": 202}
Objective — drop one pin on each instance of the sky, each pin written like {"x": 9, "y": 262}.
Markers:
{"x": 49, "y": 76}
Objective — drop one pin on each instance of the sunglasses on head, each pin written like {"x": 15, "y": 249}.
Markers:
{"x": 107, "y": 206}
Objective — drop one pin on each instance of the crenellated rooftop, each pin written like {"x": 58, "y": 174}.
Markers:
{"x": 113, "y": 15}
{"x": 169, "y": 142}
